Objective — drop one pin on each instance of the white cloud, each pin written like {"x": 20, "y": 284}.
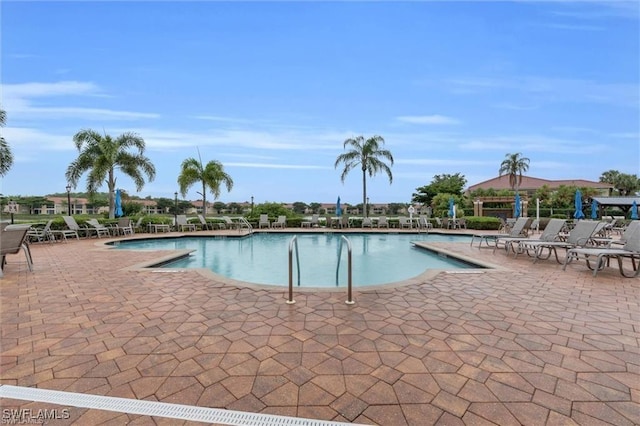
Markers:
{"x": 427, "y": 119}
{"x": 533, "y": 143}
{"x": 277, "y": 166}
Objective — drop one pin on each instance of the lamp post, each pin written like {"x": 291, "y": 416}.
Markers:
{"x": 252, "y": 205}
{"x": 69, "y": 200}
{"x": 175, "y": 210}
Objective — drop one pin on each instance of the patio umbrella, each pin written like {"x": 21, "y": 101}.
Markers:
{"x": 594, "y": 209}
{"x": 451, "y": 208}
{"x": 338, "y": 208}
{"x": 118, "y": 209}
{"x": 578, "y": 204}
{"x": 634, "y": 210}
{"x": 517, "y": 211}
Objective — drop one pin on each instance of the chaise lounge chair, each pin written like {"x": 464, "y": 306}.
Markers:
{"x": 579, "y": 236}
{"x": 182, "y": 224}
{"x": 264, "y": 221}
{"x": 383, "y": 222}
{"x": 13, "y": 238}
{"x": 280, "y": 223}
{"x": 41, "y": 234}
{"x": 73, "y": 229}
{"x": 204, "y": 224}
{"x": 98, "y": 228}
{"x": 631, "y": 250}
{"x": 551, "y": 233}
{"x": 517, "y": 231}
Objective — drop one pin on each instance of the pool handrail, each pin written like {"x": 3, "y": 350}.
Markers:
{"x": 344, "y": 239}
{"x": 293, "y": 243}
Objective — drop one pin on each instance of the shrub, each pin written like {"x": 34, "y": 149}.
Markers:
{"x": 482, "y": 222}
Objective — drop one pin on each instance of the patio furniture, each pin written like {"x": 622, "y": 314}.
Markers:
{"x": 13, "y": 239}
{"x": 264, "y": 221}
{"x": 98, "y": 228}
{"x": 40, "y": 235}
{"x": 182, "y": 224}
{"x": 579, "y": 236}
{"x": 280, "y": 223}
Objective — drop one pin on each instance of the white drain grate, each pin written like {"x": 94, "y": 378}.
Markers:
{"x": 153, "y": 408}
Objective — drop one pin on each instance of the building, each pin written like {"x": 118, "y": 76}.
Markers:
{"x": 530, "y": 184}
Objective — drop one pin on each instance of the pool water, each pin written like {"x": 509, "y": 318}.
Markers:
{"x": 263, "y": 258}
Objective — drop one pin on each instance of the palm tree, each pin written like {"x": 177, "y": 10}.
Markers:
{"x": 102, "y": 155}
{"x": 369, "y": 156}
{"x": 212, "y": 175}
{"x": 6, "y": 157}
{"x": 514, "y": 165}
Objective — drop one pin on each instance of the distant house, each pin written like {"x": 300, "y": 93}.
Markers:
{"x": 530, "y": 184}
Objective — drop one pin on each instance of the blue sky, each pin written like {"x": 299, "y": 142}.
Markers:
{"x": 272, "y": 90}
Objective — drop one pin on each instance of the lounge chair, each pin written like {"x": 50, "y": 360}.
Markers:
{"x": 40, "y": 235}
{"x": 204, "y": 224}
{"x": 182, "y": 224}
{"x": 123, "y": 227}
{"x": 424, "y": 223}
{"x": 579, "y": 236}
{"x": 228, "y": 223}
{"x": 13, "y": 238}
{"x": 602, "y": 255}
{"x": 73, "y": 229}
{"x": 264, "y": 221}
{"x": 551, "y": 233}
{"x": 517, "y": 231}
{"x": 280, "y": 223}
{"x": 314, "y": 222}
{"x": 98, "y": 228}
{"x": 367, "y": 223}
{"x": 404, "y": 222}
{"x": 383, "y": 222}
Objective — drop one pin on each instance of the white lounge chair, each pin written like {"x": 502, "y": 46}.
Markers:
{"x": 602, "y": 255}
{"x": 40, "y": 235}
{"x": 383, "y": 222}
{"x": 13, "y": 239}
{"x": 182, "y": 224}
{"x": 551, "y": 233}
{"x": 264, "y": 221}
{"x": 280, "y": 223}
{"x": 518, "y": 230}
{"x": 98, "y": 228}
{"x": 579, "y": 236}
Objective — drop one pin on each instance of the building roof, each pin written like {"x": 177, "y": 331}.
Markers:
{"x": 617, "y": 201}
{"x": 532, "y": 183}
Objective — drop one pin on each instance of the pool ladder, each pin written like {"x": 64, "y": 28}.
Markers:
{"x": 293, "y": 244}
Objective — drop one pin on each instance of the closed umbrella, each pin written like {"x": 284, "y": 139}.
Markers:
{"x": 451, "y": 208}
{"x": 118, "y": 210}
{"x": 634, "y": 210}
{"x": 517, "y": 212}
{"x": 338, "y": 208}
{"x": 594, "y": 209}
{"x": 578, "y": 204}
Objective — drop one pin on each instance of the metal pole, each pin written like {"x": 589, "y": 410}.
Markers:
{"x": 69, "y": 200}
{"x": 290, "y": 301}
{"x": 175, "y": 211}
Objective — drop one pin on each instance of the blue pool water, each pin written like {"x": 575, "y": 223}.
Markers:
{"x": 264, "y": 258}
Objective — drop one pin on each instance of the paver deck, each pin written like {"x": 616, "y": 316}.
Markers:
{"x": 526, "y": 344}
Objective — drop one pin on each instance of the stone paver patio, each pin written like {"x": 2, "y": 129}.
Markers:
{"x": 525, "y": 344}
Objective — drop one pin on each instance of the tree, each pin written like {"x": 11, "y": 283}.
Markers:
{"x": 100, "y": 156}
{"x": 299, "y": 207}
{"x": 315, "y": 207}
{"x": 369, "y": 155}
{"x": 513, "y": 166}
{"x": 446, "y": 183}
{"x": 6, "y": 156}
{"x": 624, "y": 183}
{"x": 211, "y": 176}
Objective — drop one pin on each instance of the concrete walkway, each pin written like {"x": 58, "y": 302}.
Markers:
{"x": 525, "y": 344}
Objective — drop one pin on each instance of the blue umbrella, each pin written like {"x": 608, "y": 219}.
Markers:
{"x": 578, "y": 204}
{"x": 517, "y": 211}
{"x": 634, "y": 210}
{"x": 338, "y": 208}
{"x": 118, "y": 210}
{"x": 451, "y": 212}
{"x": 594, "y": 209}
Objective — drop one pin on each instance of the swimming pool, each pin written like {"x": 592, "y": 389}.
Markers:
{"x": 263, "y": 258}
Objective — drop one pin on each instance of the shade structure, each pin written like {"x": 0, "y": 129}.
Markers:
{"x": 578, "y": 205}
{"x": 338, "y": 208}
{"x": 118, "y": 207}
{"x": 517, "y": 209}
{"x": 594, "y": 209}
{"x": 451, "y": 208}
{"x": 634, "y": 210}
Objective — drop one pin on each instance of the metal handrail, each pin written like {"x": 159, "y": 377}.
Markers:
{"x": 349, "y": 300}
{"x": 246, "y": 223}
{"x": 293, "y": 243}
